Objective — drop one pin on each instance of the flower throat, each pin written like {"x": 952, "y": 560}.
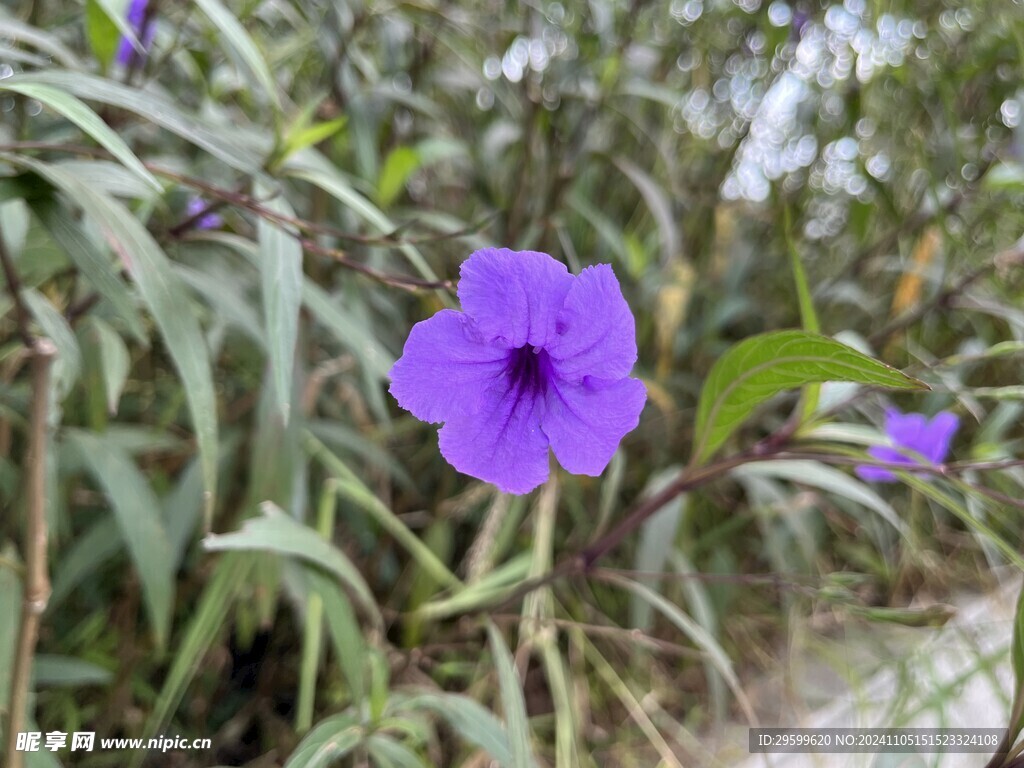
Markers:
{"x": 528, "y": 368}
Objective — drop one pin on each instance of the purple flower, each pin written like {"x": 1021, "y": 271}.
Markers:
{"x": 211, "y": 220}
{"x": 911, "y": 432}
{"x": 143, "y": 29}
{"x": 538, "y": 358}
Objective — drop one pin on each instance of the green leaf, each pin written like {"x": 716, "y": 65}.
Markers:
{"x": 59, "y": 671}
{"x": 313, "y": 167}
{"x": 657, "y": 542}
{"x": 81, "y": 115}
{"x": 351, "y": 487}
{"x": 1017, "y": 658}
{"x": 137, "y": 511}
{"x": 349, "y": 645}
{"x": 278, "y": 533}
{"x": 307, "y": 136}
{"x": 331, "y": 740}
{"x": 697, "y": 634}
{"x": 281, "y": 283}
{"x": 399, "y": 165}
{"x": 350, "y": 331}
{"x": 87, "y": 552}
{"x": 657, "y": 200}
{"x": 48, "y": 42}
{"x": 1017, "y": 650}
{"x": 167, "y": 299}
{"x": 241, "y": 149}
{"x": 10, "y": 612}
{"x": 95, "y": 266}
{"x": 68, "y": 364}
{"x": 238, "y": 40}
{"x": 512, "y": 701}
{"x": 470, "y": 720}
{"x": 388, "y": 753}
{"x": 761, "y": 366}
{"x": 818, "y": 475}
{"x": 808, "y": 317}
{"x": 207, "y": 620}
{"x": 102, "y": 31}
{"x": 114, "y": 361}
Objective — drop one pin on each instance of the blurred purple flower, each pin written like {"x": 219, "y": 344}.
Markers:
{"x": 539, "y": 358}
{"x": 211, "y": 220}
{"x": 914, "y": 433}
{"x": 144, "y": 30}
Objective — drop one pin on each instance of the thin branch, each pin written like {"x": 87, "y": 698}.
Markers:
{"x": 388, "y": 278}
{"x": 239, "y": 199}
{"x": 242, "y": 200}
{"x": 37, "y": 580}
{"x": 21, "y": 312}
{"x": 582, "y": 562}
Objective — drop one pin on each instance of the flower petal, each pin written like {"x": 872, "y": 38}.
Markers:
{"x": 596, "y": 335}
{"x": 939, "y": 433}
{"x": 445, "y": 368}
{"x": 585, "y": 422}
{"x": 502, "y": 443}
{"x": 878, "y": 474}
{"x": 514, "y": 296}
{"x": 905, "y": 429}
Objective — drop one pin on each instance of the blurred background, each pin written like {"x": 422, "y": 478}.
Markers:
{"x": 227, "y": 215}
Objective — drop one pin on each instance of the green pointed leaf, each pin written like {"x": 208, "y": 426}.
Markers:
{"x": 10, "y": 616}
{"x": 238, "y": 40}
{"x": 85, "y": 554}
{"x": 114, "y": 361}
{"x": 761, "y": 366}
{"x": 1018, "y": 642}
{"x": 137, "y": 511}
{"x": 399, "y": 165}
{"x": 81, "y": 115}
{"x": 67, "y": 671}
{"x": 95, "y": 266}
{"x": 307, "y": 136}
{"x": 49, "y": 42}
{"x": 818, "y": 475}
{"x": 68, "y": 364}
{"x": 808, "y": 316}
{"x": 309, "y": 165}
{"x": 242, "y": 150}
{"x": 512, "y": 701}
{"x": 325, "y": 745}
{"x": 281, "y": 283}
{"x": 166, "y": 297}
{"x": 277, "y": 532}
{"x": 206, "y": 621}
{"x": 470, "y": 720}
{"x": 101, "y": 30}
{"x": 388, "y": 753}
{"x": 346, "y": 634}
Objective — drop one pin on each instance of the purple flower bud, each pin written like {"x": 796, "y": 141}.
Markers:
{"x": 538, "y": 359}
{"x": 143, "y": 29}
{"x": 911, "y": 434}
{"x": 211, "y": 220}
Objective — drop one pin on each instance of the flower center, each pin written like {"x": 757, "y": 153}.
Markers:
{"x": 528, "y": 368}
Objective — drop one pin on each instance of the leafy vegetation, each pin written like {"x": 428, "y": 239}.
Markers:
{"x": 248, "y": 541}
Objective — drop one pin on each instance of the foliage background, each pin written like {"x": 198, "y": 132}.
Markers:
{"x": 235, "y": 378}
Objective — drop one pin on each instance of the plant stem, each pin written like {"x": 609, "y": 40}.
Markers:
{"x": 313, "y": 634}
{"x": 37, "y": 580}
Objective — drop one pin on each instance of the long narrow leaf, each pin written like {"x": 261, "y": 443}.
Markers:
{"x": 81, "y": 115}
{"x": 137, "y": 512}
{"x": 166, "y": 298}
{"x": 281, "y": 282}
